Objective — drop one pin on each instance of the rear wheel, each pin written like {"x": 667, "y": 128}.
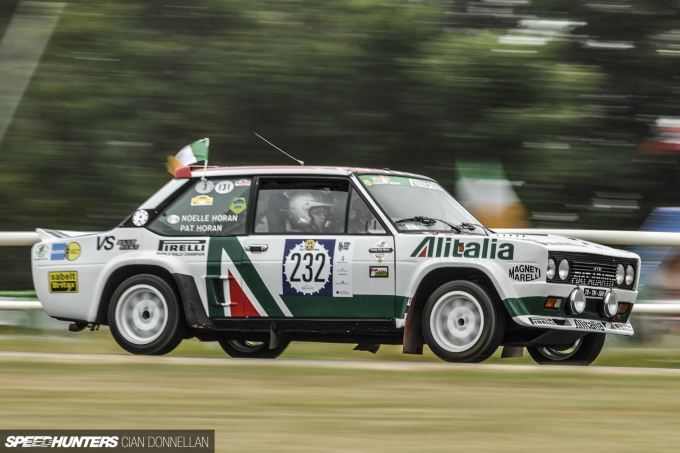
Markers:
{"x": 240, "y": 349}
{"x": 145, "y": 316}
{"x": 582, "y": 352}
{"x": 462, "y": 323}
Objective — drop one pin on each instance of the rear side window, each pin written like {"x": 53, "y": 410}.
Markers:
{"x": 211, "y": 207}
{"x": 301, "y": 205}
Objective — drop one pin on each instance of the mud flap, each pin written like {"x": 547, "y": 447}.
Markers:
{"x": 512, "y": 351}
{"x": 413, "y": 330}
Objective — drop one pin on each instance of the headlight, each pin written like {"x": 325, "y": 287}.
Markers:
{"x": 564, "y": 269}
{"x": 551, "y": 269}
{"x": 630, "y": 275}
{"x": 611, "y": 304}
{"x": 577, "y": 301}
{"x": 620, "y": 274}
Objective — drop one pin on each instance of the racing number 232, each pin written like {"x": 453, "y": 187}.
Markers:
{"x": 308, "y": 261}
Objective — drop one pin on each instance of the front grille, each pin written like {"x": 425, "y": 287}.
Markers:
{"x": 592, "y": 270}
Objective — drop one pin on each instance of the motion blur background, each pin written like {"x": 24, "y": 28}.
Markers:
{"x": 564, "y": 111}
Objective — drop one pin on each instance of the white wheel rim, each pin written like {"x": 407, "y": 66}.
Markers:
{"x": 141, "y": 314}
{"x": 457, "y": 321}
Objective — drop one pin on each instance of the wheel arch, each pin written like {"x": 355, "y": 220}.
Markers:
{"x": 120, "y": 275}
{"x": 413, "y": 333}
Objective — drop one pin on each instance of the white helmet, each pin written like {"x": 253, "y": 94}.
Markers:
{"x": 299, "y": 205}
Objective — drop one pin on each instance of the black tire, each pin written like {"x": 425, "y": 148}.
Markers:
{"x": 145, "y": 316}
{"x": 245, "y": 349}
{"x": 462, "y": 322}
{"x": 583, "y": 352}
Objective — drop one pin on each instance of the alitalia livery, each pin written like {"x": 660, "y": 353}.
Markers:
{"x": 257, "y": 257}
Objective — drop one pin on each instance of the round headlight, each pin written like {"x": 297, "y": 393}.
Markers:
{"x": 630, "y": 275}
{"x": 577, "y": 301}
{"x": 620, "y": 274}
{"x": 611, "y": 304}
{"x": 563, "y": 269}
{"x": 551, "y": 269}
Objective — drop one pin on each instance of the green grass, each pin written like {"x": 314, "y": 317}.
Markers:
{"x": 336, "y": 406}
{"x": 294, "y": 406}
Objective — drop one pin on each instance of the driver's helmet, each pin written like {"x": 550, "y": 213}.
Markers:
{"x": 299, "y": 205}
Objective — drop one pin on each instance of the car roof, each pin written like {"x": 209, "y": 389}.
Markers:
{"x": 195, "y": 171}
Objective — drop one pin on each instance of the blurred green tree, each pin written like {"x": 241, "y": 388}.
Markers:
{"x": 408, "y": 85}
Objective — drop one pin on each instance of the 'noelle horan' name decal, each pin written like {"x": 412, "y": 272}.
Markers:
{"x": 432, "y": 247}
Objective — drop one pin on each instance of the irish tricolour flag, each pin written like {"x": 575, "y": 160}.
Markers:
{"x": 190, "y": 154}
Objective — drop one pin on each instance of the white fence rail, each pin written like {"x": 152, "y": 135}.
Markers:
{"x": 609, "y": 237}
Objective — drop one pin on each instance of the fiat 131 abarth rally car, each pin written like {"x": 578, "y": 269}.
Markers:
{"x": 257, "y": 257}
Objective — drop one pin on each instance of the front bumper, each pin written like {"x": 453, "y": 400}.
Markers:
{"x": 575, "y": 324}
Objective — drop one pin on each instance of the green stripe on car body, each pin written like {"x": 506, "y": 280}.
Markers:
{"x": 245, "y": 267}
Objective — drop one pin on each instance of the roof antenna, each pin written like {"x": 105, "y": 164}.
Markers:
{"x": 270, "y": 143}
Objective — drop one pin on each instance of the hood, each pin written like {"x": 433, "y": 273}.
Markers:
{"x": 565, "y": 244}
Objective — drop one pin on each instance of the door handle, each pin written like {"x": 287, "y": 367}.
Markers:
{"x": 256, "y": 247}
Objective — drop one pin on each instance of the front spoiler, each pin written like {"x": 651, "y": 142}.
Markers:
{"x": 575, "y": 324}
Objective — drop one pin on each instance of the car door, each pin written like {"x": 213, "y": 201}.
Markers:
{"x": 298, "y": 270}
{"x": 202, "y": 230}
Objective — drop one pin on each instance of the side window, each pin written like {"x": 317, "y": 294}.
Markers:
{"x": 301, "y": 206}
{"x": 361, "y": 219}
{"x": 212, "y": 207}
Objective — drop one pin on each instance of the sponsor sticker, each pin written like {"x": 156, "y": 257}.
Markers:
{"x": 127, "y": 244}
{"x": 182, "y": 247}
{"x": 378, "y": 272}
{"x": 238, "y": 205}
{"x": 42, "y": 252}
{"x": 524, "y": 273}
{"x": 443, "y": 247}
{"x": 63, "y": 251}
{"x": 63, "y": 282}
{"x": 542, "y": 322}
{"x": 202, "y": 200}
{"x": 623, "y": 327}
{"x": 205, "y": 186}
{"x": 380, "y": 250}
{"x": 173, "y": 219}
{"x": 108, "y": 243}
{"x": 588, "y": 324}
{"x": 223, "y": 187}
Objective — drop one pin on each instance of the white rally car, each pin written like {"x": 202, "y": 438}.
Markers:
{"x": 257, "y": 257}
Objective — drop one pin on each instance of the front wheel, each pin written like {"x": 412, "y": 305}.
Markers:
{"x": 241, "y": 349}
{"x": 462, "y": 322}
{"x": 582, "y": 352}
{"x": 145, "y": 316}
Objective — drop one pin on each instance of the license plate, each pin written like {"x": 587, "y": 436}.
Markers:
{"x": 592, "y": 292}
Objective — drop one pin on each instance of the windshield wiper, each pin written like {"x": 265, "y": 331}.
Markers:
{"x": 473, "y": 227}
{"x": 429, "y": 221}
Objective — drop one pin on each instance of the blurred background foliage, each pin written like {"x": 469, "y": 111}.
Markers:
{"x": 561, "y": 93}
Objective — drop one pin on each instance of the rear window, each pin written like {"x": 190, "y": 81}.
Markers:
{"x": 211, "y": 207}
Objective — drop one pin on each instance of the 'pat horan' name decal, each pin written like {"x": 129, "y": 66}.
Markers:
{"x": 439, "y": 247}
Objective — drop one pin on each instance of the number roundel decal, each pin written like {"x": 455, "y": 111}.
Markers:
{"x": 307, "y": 267}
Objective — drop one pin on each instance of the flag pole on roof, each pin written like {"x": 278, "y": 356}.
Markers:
{"x": 190, "y": 154}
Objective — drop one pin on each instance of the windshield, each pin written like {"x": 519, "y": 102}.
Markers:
{"x": 415, "y": 204}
